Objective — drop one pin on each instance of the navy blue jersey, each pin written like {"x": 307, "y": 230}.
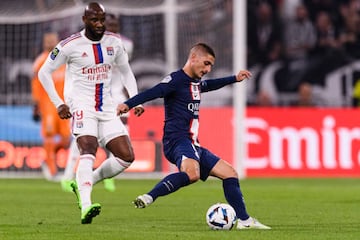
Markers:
{"x": 182, "y": 95}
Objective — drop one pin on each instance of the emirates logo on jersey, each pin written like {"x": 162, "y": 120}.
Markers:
{"x": 97, "y": 73}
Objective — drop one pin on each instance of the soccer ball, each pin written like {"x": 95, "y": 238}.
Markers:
{"x": 220, "y": 216}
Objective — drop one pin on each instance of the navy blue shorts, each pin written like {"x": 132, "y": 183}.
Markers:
{"x": 185, "y": 149}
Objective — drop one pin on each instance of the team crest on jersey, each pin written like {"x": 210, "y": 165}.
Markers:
{"x": 54, "y": 53}
{"x": 110, "y": 51}
{"x": 79, "y": 124}
{"x": 195, "y": 91}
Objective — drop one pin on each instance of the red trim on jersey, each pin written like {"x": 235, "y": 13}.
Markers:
{"x": 98, "y": 53}
{"x": 69, "y": 39}
{"x": 99, "y": 96}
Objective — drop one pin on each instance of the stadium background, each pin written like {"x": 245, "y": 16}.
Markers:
{"x": 280, "y": 140}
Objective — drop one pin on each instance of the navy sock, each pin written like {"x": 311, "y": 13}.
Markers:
{"x": 234, "y": 197}
{"x": 170, "y": 184}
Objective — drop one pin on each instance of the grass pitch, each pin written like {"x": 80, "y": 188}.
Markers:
{"x": 34, "y": 209}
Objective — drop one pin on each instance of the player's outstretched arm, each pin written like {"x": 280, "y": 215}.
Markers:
{"x": 243, "y": 74}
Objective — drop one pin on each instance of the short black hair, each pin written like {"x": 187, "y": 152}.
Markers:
{"x": 93, "y": 6}
{"x": 204, "y": 47}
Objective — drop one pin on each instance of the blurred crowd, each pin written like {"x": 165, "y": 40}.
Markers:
{"x": 304, "y": 52}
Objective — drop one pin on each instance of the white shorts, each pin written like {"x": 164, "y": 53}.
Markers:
{"x": 104, "y": 126}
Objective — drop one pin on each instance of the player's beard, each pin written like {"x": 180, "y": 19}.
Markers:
{"x": 95, "y": 34}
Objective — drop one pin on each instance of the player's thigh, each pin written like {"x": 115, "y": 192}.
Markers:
{"x": 114, "y": 135}
{"x": 182, "y": 149}
{"x": 192, "y": 168}
{"x": 186, "y": 157}
{"x": 223, "y": 170}
{"x": 85, "y": 129}
{"x": 121, "y": 147}
{"x": 87, "y": 144}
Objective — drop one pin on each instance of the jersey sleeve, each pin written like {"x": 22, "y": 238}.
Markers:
{"x": 214, "y": 84}
{"x": 128, "y": 79}
{"x": 165, "y": 87}
{"x": 55, "y": 59}
{"x": 121, "y": 54}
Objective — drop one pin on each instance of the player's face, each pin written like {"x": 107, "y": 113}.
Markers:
{"x": 202, "y": 64}
{"x": 94, "y": 24}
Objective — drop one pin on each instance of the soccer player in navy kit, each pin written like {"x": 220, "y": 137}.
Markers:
{"x": 181, "y": 91}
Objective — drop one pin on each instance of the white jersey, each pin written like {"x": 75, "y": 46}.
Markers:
{"x": 89, "y": 67}
{"x": 117, "y": 87}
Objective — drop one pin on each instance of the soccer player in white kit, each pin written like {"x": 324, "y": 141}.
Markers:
{"x": 119, "y": 93}
{"x": 90, "y": 57}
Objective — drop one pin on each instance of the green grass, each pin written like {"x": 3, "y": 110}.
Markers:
{"x": 294, "y": 208}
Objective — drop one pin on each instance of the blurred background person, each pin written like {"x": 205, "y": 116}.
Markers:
{"x": 299, "y": 39}
{"x": 55, "y": 131}
{"x": 265, "y": 31}
{"x": 349, "y": 33}
{"x": 326, "y": 56}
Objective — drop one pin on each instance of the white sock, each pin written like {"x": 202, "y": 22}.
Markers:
{"x": 109, "y": 168}
{"x": 84, "y": 179}
{"x": 71, "y": 161}
{"x": 148, "y": 199}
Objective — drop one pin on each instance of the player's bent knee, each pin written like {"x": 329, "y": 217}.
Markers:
{"x": 127, "y": 157}
{"x": 230, "y": 173}
{"x": 224, "y": 170}
{"x": 234, "y": 174}
{"x": 193, "y": 177}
